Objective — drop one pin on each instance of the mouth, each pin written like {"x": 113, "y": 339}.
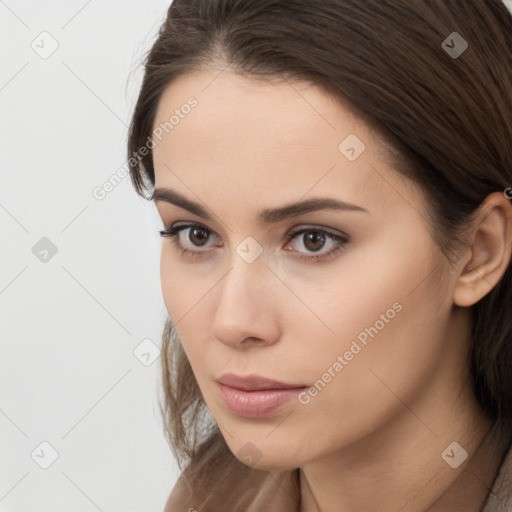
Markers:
{"x": 255, "y": 396}
{"x": 254, "y": 382}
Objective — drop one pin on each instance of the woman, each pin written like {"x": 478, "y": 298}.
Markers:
{"x": 333, "y": 177}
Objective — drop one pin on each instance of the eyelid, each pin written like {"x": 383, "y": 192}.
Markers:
{"x": 315, "y": 227}
{"x": 291, "y": 232}
{"x": 177, "y": 227}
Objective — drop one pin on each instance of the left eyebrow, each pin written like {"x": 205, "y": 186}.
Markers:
{"x": 268, "y": 216}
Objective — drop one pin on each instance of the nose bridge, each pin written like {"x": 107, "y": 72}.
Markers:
{"x": 244, "y": 308}
{"x": 242, "y": 287}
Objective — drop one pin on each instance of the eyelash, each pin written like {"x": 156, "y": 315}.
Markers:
{"x": 172, "y": 232}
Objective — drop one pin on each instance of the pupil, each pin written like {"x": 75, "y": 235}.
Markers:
{"x": 315, "y": 238}
{"x": 194, "y": 231}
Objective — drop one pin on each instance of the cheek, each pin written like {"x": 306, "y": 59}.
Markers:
{"x": 363, "y": 297}
{"x": 389, "y": 333}
{"x": 180, "y": 290}
{"x": 185, "y": 291}
{"x": 168, "y": 282}
{"x": 176, "y": 295}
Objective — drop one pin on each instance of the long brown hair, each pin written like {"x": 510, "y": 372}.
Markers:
{"x": 448, "y": 118}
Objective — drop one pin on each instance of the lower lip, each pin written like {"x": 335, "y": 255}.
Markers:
{"x": 256, "y": 404}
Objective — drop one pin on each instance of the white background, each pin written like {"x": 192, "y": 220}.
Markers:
{"x": 69, "y": 326}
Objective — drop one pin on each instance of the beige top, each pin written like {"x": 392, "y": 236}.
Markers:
{"x": 485, "y": 485}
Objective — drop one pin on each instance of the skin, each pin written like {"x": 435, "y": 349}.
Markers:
{"x": 383, "y": 421}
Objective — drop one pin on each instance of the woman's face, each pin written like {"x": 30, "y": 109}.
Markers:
{"x": 364, "y": 327}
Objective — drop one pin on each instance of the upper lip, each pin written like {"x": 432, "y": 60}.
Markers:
{"x": 254, "y": 382}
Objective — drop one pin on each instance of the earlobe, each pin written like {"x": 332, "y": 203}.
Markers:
{"x": 490, "y": 251}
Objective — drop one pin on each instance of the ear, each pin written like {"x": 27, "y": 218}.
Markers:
{"x": 489, "y": 253}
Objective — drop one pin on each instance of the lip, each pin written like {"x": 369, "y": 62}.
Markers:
{"x": 254, "y": 382}
{"x": 254, "y": 396}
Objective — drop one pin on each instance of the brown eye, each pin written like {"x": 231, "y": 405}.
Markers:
{"x": 314, "y": 240}
{"x": 198, "y": 236}
{"x": 318, "y": 243}
{"x": 189, "y": 236}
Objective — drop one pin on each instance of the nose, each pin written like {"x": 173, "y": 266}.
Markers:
{"x": 247, "y": 311}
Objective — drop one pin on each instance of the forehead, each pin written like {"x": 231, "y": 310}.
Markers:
{"x": 274, "y": 140}
{"x": 276, "y": 119}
